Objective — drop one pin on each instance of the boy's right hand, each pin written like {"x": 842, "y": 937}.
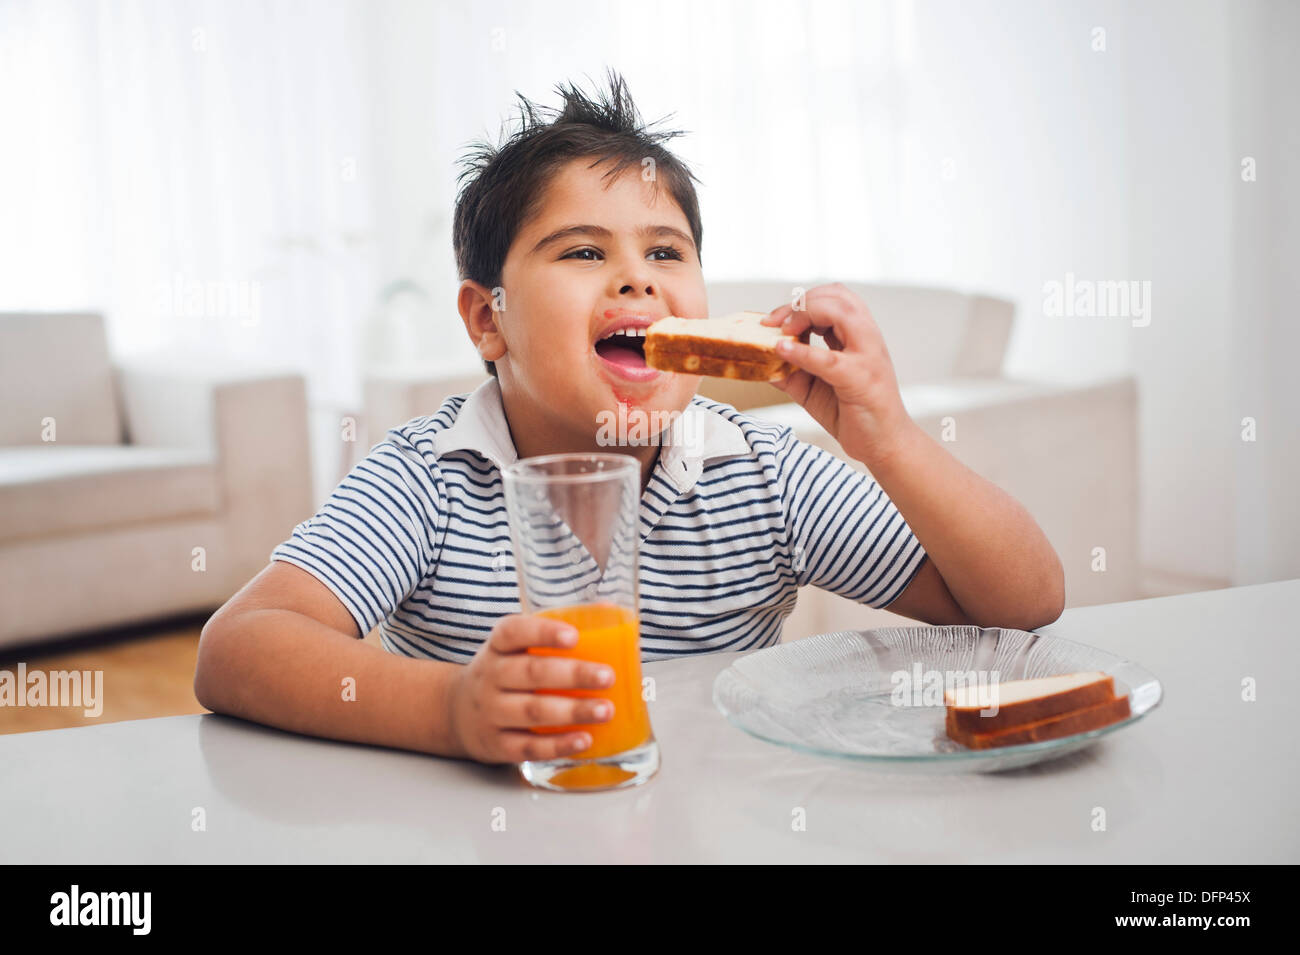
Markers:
{"x": 492, "y": 706}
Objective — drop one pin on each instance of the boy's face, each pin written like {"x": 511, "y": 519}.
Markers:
{"x": 563, "y": 295}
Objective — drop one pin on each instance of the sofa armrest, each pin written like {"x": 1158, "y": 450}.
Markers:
{"x": 169, "y": 399}
{"x": 393, "y": 400}
{"x": 254, "y": 423}
{"x": 930, "y": 404}
{"x": 1066, "y": 452}
{"x": 984, "y": 343}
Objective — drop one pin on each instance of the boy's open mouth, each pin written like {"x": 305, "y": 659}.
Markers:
{"x": 620, "y": 347}
{"x": 626, "y": 348}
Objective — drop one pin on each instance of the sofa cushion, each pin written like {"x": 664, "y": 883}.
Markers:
{"x": 55, "y": 366}
{"x": 54, "y": 489}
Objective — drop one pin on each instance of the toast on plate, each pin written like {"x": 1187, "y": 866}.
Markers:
{"x": 1030, "y": 711}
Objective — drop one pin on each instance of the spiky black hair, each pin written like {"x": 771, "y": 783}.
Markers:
{"x": 500, "y": 187}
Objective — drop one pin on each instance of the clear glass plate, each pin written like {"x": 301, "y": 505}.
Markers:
{"x": 849, "y": 694}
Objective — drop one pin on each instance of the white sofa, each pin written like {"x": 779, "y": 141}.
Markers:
{"x": 1068, "y": 453}
{"x": 150, "y": 461}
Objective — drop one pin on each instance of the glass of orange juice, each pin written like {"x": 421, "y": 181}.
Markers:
{"x": 574, "y": 529}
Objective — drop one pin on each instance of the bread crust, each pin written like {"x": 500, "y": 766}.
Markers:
{"x": 1066, "y": 724}
{"x": 739, "y": 367}
{"x": 1010, "y": 715}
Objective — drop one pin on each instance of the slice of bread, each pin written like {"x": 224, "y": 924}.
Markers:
{"x": 1024, "y": 701}
{"x": 729, "y": 346}
{"x": 1056, "y": 727}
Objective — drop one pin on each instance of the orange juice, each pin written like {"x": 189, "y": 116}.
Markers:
{"x": 607, "y": 634}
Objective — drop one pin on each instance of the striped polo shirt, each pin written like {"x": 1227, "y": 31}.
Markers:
{"x": 732, "y": 523}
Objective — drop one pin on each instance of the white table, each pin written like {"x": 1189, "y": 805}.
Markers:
{"x": 1204, "y": 778}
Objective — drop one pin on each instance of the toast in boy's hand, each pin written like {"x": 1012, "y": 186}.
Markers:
{"x": 729, "y": 346}
{"x": 1029, "y": 711}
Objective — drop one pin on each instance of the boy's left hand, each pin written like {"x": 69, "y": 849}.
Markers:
{"x": 848, "y": 387}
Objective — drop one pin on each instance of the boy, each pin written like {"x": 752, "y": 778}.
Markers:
{"x": 561, "y": 238}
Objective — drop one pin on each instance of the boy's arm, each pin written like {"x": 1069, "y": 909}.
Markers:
{"x": 278, "y": 653}
{"x": 928, "y": 599}
{"x": 994, "y": 563}
{"x": 988, "y": 563}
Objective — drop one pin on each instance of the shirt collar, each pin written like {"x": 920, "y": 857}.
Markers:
{"x": 697, "y": 435}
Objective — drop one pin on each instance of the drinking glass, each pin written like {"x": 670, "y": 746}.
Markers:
{"x": 573, "y": 528}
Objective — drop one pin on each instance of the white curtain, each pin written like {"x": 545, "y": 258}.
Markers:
{"x": 200, "y": 172}
{"x": 793, "y": 116}
{"x": 248, "y": 177}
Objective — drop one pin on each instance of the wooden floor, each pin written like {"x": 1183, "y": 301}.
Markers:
{"x": 148, "y": 672}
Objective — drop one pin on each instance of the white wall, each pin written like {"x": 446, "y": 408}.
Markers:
{"x": 1265, "y": 334}
{"x": 1125, "y": 164}
{"x": 1183, "y": 183}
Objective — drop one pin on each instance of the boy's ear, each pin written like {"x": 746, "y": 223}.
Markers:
{"x": 478, "y": 310}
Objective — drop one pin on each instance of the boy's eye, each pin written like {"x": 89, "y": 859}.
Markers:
{"x": 672, "y": 251}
